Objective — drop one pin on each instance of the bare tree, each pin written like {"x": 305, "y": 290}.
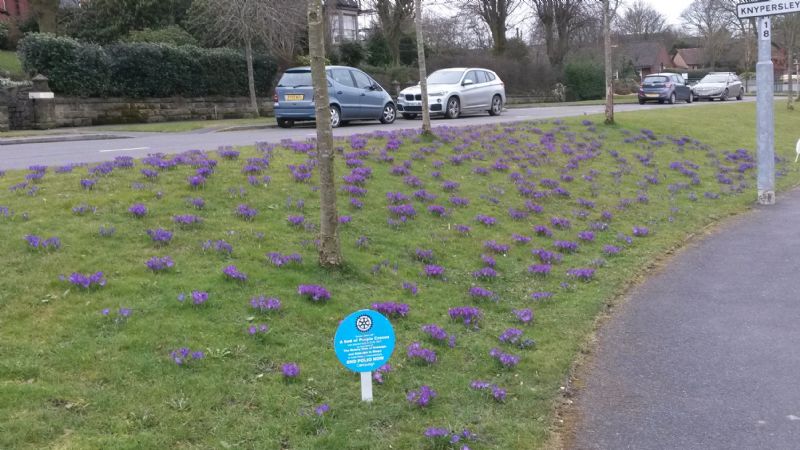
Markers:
{"x": 609, "y": 11}
{"x": 393, "y": 16}
{"x": 496, "y": 14}
{"x": 559, "y": 19}
{"x": 788, "y": 34}
{"x": 641, "y": 19}
{"x": 330, "y": 254}
{"x": 45, "y": 12}
{"x": 423, "y": 72}
{"x": 703, "y": 17}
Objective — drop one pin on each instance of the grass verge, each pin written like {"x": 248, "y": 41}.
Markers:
{"x": 75, "y": 377}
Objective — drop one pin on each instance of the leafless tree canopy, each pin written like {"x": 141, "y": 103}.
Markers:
{"x": 704, "y": 19}
{"x": 394, "y": 18}
{"x": 495, "y": 14}
{"x": 559, "y": 20}
{"x": 642, "y": 20}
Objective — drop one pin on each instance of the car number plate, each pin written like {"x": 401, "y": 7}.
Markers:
{"x": 652, "y": 95}
{"x": 293, "y": 97}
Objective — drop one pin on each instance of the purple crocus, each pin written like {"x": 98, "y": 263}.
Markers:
{"x": 469, "y": 315}
{"x": 486, "y": 220}
{"x": 199, "y": 297}
{"x": 611, "y": 250}
{"x": 138, "y": 210}
{"x": 433, "y": 271}
{"x": 322, "y": 409}
{"x": 391, "y": 309}
{"x": 417, "y": 352}
{"x": 314, "y": 292}
{"x": 584, "y": 274}
{"x": 524, "y": 315}
{"x": 290, "y": 370}
{"x": 507, "y": 360}
{"x": 421, "y": 397}
{"x": 186, "y": 220}
{"x": 232, "y": 273}
{"x": 264, "y": 304}
{"x": 159, "y": 264}
{"x": 96, "y": 279}
{"x": 478, "y": 292}
{"x": 641, "y": 231}
{"x": 245, "y": 212}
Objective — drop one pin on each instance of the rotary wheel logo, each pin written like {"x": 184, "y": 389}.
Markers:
{"x": 364, "y": 323}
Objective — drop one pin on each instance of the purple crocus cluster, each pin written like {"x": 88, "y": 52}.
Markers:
{"x": 582, "y": 274}
{"x": 138, "y": 210}
{"x": 253, "y": 330}
{"x": 160, "y": 236}
{"x": 87, "y": 281}
{"x": 507, "y": 360}
{"x": 496, "y": 247}
{"x": 566, "y": 246}
{"x": 485, "y": 273}
{"x": 186, "y": 220}
{"x": 486, "y": 220}
{"x": 377, "y": 376}
{"x": 231, "y": 272}
{"x": 421, "y": 397}
{"x": 391, "y": 309}
{"x": 220, "y": 246}
{"x": 280, "y": 260}
{"x": 611, "y": 250}
{"x": 497, "y": 393}
{"x": 264, "y": 304}
{"x": 469, "y": 315}
{"x": 416, "y": 352}
{"x": 245, "y": 212}
{"x": 541, "y": 295}
{"x": 290, "y": 370}
{"x": 51, "y": 243}
{"x": 514, "y": 336}
{"x": 478, "y": 292}
{"x": 314, "y": 292}
{"x": 439, "y": 334}
{"x": 524, "y": 315}
{"x": 184, "y": 355}
{"x": 444, "y": 438}
{"x": 159, "y": 263}
{"x": 641, "y": 231}
{"x": 433, "y": 271}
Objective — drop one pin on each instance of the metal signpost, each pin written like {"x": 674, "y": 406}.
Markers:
{"x": 765, "y": 128}
{"x": 364, "y": 342}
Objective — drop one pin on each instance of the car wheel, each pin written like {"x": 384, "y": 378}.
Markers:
{"x": 741, "y": 94}
{"x": 389, "y": 113}
{"x": 453, "y": 108}
{"x": 497, "y": 106}
{"x": 691, "y": 97}
{"x": 336, "y": 118}
{"x": 724, "y": 96}
{"x": 672, "y": 98}
{"x": 285, "y": 123}
{"x": 409, "y": 116}
{"x": 641, "y": 102}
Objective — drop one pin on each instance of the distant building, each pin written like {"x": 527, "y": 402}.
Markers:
{"x": 690, "y": 58}
{"x": 646, "y": 57}
{"x": 344, "y": 20}
{"x": 14, "y": 9}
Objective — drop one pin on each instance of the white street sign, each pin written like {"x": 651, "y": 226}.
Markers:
{"x": 765, "y": 31}
{"x": 767, "y": 8}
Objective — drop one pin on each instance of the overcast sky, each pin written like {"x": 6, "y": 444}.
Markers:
{"x": 672, "y": 9}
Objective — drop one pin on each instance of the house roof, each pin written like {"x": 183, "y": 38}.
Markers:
{"x": 644, "y": 54}
{"x": 693, "y": 56}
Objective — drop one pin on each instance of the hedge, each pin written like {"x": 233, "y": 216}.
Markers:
{"x": 585, "y": 81}
{"x": 141, "y": 69}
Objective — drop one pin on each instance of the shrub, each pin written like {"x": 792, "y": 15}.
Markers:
{"x": 352, "y": 53}
{"x": 141, "y": 69}
{"x": 173, "y": 35}
{"x": 585, "y": 81}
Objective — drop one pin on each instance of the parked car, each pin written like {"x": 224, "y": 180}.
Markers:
{"x": 353, "y": 95}
{"x": 452, "y": 92}
{"x": 665, "y": 87}
{"x": 721, "y": 85}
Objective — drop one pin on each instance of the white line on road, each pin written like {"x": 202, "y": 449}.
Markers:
{"x": 124, "y": 149}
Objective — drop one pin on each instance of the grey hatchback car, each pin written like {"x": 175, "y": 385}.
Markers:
{"x": 353, "y": 95}
{"x": 452, "y": 92}
{"x": 665, "y": 87}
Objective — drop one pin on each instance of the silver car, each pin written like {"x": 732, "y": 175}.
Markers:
{"x": 721, "y": 85}
{"x": 452, "y": 92}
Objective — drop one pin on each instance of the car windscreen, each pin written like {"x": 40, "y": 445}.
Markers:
{"x": 714, "y": 79}
{"x": 656, "y": 80}
{"x": 295, "y": 79}
{"x": 445, "y": 77}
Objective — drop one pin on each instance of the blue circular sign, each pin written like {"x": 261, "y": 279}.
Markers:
{"x": 364, "y": 341}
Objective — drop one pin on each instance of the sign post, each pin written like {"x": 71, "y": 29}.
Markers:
{"x": 765, "y": 78}
{"x": 364, "y": 342}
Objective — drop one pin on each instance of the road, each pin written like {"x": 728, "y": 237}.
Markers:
{"x": 140, "y": 144}
{"x": 704, "y": 354}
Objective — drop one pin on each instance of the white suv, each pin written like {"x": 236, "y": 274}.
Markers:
{"x": 452, "y": 92}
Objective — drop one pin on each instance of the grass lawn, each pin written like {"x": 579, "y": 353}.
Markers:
{"x": 618, "y": 100}
{"x": 184, "y": 126}
{"x": 585, "y": 206}
{"x": 10, "y": 62}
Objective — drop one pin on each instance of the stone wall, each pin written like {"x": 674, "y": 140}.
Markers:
{"x": 18, "y": 112}
{"x": 76, "y": 111}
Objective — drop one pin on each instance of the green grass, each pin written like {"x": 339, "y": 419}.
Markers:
{"x": 189, "y": 125}
{"x": 618, "y": 100}
{"x": 10, "y": 62}
{"x": 71, "y": 378}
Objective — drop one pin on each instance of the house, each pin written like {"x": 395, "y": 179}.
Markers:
{"x": 14, "y": 9}
{"x": 690, "y": 58}
{"x": 646, "y": 57}
{"x": 344, "y": 20}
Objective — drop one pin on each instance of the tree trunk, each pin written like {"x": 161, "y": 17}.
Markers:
{"x": 45, "y": 12}
{"x": 251, "y": 79}
{"x": 607, "y": 57}
{"x": 330, "y": 254}
{"x": 423, "y": 72}
{"x": 790, "y": 61}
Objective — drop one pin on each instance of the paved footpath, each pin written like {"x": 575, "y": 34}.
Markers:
{"x": 706, "y": 353}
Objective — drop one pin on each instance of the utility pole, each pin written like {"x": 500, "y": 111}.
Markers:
{"x": 765, "y": 114}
